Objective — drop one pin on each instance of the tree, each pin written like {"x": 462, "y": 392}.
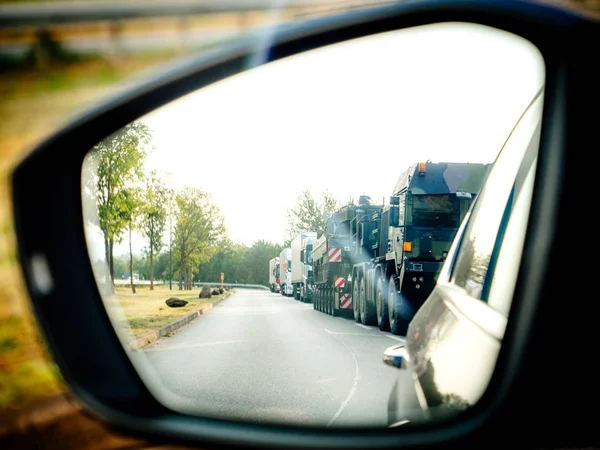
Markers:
{"x": 154, "y": 217}
{"x": 256, "y": 261}
{"x": 310, "y": 214}
{"x": 117, "y": 162}
{"x": 130, "y": 206}
{"x": 199, "y": 231}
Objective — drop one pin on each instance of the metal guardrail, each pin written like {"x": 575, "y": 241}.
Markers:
{"x": 121, "y": 282}
{"x": 47, "y": 13}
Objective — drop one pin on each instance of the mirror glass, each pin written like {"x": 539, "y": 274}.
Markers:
{"x": 234, "y": 232}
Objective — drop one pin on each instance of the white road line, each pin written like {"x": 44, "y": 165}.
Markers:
{"x": 352, "y": 389}
{"x": 363, "y": 326}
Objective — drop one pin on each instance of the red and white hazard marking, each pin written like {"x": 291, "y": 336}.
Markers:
{"x": 345, "y": 301}
{"x": 339, "y": 282}
{"x": 335, "y": 254}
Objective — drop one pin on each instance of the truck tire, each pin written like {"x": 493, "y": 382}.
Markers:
{"x": 329, "y": 298}
{"x": 367, "y": 309}
{"x": 381, "y": 304}
{"x": 356, "y": 297}
{"x": 399, "y": 309}
{"x": 334, "y": 312}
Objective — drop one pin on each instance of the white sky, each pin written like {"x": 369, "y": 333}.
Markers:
{"x": 348, "y": 118}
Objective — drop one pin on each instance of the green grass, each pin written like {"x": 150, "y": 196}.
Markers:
{"x": 146, "y": 310}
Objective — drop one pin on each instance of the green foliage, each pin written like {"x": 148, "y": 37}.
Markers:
{"x": 310, "y": 214}
{"x": 241, "y": 264}
{"x": 199, "y": 231}
{"x": 116, "y": 166}
{"x": 119, "y": 160}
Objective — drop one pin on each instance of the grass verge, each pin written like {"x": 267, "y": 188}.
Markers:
{"x": 146, "y": 310}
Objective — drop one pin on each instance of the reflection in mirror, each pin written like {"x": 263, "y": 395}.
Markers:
{"x": 261, "y": 242}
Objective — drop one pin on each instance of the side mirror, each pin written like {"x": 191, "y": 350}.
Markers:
{"x": 396, "y": 356}
{"x": 394, "y": 215}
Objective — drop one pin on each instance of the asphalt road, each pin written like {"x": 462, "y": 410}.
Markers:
{"x": 262, "y": 357}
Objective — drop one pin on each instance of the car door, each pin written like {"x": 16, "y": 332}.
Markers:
{"x": 454, "y": 339}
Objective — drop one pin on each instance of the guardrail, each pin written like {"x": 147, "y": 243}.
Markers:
{"x": 127, "y": 282}
{"x": 49, "y": 30}
{"x": 45, "y": 13}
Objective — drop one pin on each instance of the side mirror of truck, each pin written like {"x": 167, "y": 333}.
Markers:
{"x": 394, "y": 215}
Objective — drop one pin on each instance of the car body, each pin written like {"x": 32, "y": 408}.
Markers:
{"x": 453, "y": 341}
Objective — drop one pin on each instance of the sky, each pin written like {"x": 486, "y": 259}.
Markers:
{"x": 348, "y": 118}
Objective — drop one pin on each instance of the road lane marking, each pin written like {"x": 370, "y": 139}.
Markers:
{"x": 352, "y": 389}
{"x": 396, "y": 338}
{"x": 363, "y": 326}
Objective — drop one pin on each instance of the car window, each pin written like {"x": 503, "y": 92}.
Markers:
{"x": 479, "y": 253}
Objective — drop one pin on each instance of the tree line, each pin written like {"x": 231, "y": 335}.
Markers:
{"x": 126, "y": 198}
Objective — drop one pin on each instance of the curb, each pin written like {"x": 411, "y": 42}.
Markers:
{"x": 150, "y": 337}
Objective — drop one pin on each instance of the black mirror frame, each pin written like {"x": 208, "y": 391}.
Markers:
{"x": 69, "y": 309}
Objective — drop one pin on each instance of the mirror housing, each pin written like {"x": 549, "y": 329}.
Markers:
{"x": 56, "y": 265}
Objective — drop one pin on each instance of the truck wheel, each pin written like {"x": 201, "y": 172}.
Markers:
{"x": 329, "y": 301}
{"x": 400, "y": 310}
{"x": 356, "y": 298}
{"x": 381, "y": 304}
{"x": 367, "y": 309}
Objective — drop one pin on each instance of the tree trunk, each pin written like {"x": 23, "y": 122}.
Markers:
{"x": 181, "y": 272}
{"x": 131, "y": 262}
{"x": 110, "y": 269}
{"x": 111, "y": 260}
{"x": 151, "y": 268}
{"x": 170, "y": 254}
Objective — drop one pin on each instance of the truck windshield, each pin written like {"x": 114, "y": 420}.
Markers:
{"x": 437, "y": 211}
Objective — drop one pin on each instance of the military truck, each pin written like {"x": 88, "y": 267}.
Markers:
{"x": 302, "y": 271}
{"x": 335, "y": 254}
{"x": 397, "y": 250}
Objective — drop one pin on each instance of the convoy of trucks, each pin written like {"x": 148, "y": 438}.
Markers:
{"x": 377, "y": 263}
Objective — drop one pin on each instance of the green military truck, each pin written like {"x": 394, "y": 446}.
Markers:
{"x": 396, "y": 251}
